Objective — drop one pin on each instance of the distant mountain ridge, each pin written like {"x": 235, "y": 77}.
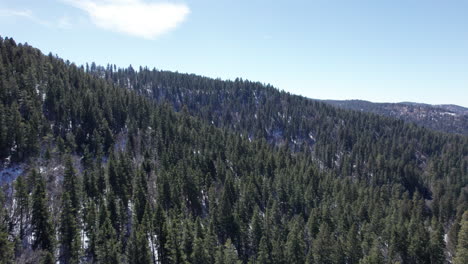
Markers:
{"x": 445, "y": 118}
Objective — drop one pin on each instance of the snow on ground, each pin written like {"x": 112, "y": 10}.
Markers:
{"x": 448, "y": 113}
{"x": 153, "y": 246}
{"x": 84, "y": 240}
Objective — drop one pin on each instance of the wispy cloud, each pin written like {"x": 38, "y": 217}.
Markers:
{"x": 20, "y": 13}
{"x": 134, "y": 17}
{"x": 63, "y": 22}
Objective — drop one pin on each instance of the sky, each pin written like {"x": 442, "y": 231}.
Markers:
{"x": 376, "y": 50}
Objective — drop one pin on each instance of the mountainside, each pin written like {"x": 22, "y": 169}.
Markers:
{"x": 105, "y": 165}
{"x": 445, "y": 118}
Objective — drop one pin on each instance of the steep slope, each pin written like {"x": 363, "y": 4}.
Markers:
{"x": 350, "y": 143}
{"x": 445, "y": 118}
{"x": 118, "y": 177}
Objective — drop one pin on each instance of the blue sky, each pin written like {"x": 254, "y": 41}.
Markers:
{"x": 377, "y": 50}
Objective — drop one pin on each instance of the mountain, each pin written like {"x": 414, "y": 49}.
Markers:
{"x": 445, "y": 118}
{"x": 104, "y": 165}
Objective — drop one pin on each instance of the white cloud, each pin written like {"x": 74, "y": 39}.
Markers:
{"x": 134, "y": 17}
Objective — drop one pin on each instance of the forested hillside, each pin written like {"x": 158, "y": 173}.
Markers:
{"x": 445, "y": 118}
{"x": 186, "y": 169}
{"x": 349, "y": 143}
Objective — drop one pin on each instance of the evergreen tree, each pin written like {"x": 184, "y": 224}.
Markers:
{"x": 352, "y": 246}
{"x": 436, "y": 243}
{"x": 256, "y": 232}
{"x": 375, "y": 255}
{"x": 138, "y": 252}
{"x": 72, "y": 186}
{"x": 199, "y": 253}
{"x": 461, "y": 254}
{"x": 230, "y": 254}
{"x": 107, "y": 244}
{"x": 6, "y": 246}
{"x": 418, "y": 241}
{"x": 40, "y": 219}
{"x": 22, "y": 198}
{"x": 295, "y": 247}
{"x": 323, "y": 246}
{"x": 69, "y": 232}
{"x": 263, "y": 255}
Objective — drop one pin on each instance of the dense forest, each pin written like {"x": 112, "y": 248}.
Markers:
{"x": 445, "y": 118}
{"x": 147, "y": 166}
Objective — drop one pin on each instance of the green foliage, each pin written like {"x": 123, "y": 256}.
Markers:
{"x": 107, "y": 245}
{"x": 210, "y": 171}
{"x": 6, "y": 246}
{"x": 138, "y": 252}
{"x": 461, "y": 254}
{"x": 40, "y": 218}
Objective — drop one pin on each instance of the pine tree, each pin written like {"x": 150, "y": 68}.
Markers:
{"x": 295, "y": 246}
{"x": 375, "y": 255}
{"x": 187, "y": 241}
{"x": 90, "y": 227}
{"x": 40, "y": 219}
{"x": 256, "y": 232}
{"x": 230, "y": 253}
{"x": 199, "y": 253}
{"x": 263, "y": 255}
{"x": 71, "y": 185}
{"x": 69, "y": 232}
{"x": 323, "y": 245}
{"x": 173, "y": 243}
{"x": 6, "y": 246}
{"x": 107, "y": 244}
{"x": 22, "y": 198}
{"x": 228, "y": 226}
{"x": 418, "y": 241}
{"x": 352, "y": 246}
{"x": 138, "y": 252}
{"x": 160, "y": 229}
{"x": 436, "y": 243}
{"x": 461, "y": 254}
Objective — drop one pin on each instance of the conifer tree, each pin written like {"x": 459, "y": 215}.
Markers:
{"x": 69, "y": 232}
{"x": 199, "y": 253}
{"x": 107, "y": 244}
{"x": 138, "y": 252}
{"x": 295, "y": 246}
{"x": 256, "y": 232}
{"x": 72, "y": 186}
{"x": 461, "y": 254}
{"x": 323, "y": 245}
{"x": 418, "y": 241}
{"x": 229, "y": 255}
{"x": 436, "y": 243}
{"x": 40, "y": 219}
{"x": 375, "y": 255}
{"x": 352, "y": 246}
{"x": 263, "y": 255}
{"x": 6, "y": 246}
{"x": 22, "y": 198}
